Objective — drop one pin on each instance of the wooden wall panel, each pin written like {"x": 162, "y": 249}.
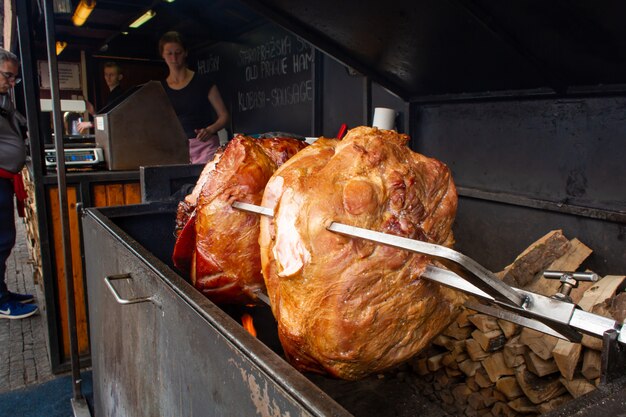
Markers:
{"x": 111, "y": 194}
{"x": 77, "y": 271}
{"x": 99, "y": 195}
{"x": 116, "y": 194}
{"x": 132, "y": 193}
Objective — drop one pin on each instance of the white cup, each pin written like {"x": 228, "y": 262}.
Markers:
{"x": 384, "y": 118}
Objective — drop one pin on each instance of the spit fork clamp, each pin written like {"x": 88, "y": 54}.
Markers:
{"x": 551, "y": 315}
{"x": 568, "y": 281}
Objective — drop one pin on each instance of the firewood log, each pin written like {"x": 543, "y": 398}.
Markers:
{"x": 443, "y": 341}
{"x": 600, "y": 291}
{"x": 442, "y": 379}
{"x": 462, "y": 319}
{"x": 591, "y": 342}
{"x": 449, "y": 343}
{"x": 540, "y": 343}
{"x": 513, "y": 352}
{"x": 483, "y": 322}
{"x": 509, "y": 387}
{"x": 508, "y": 328}
{"x": 434, "y": 362}
{"x": 457, "y": 332}
{"x": 554, "y": 403}
{"x": 419, "y": 366}
{"x": 538, "y": 389}
{"x": 522, "y": 405}
{"x": 616, "y": 307}
{"x": 445, "y": 396}
{"x": 535, "y": 258}
{"x": 491, "y": 396}
{"x": 495, "y": 367}
{"x": 577, "y": 387}
{"x": 490, "y": 341}
{"x": 471, "y": 383}
{"x": 482, "y": 379}
{"x": 453, "y": 373}
{"x": 462, "y": 357}
{"x": 566, "y": 355}
{"x": 575, "y": 255}
{"x": 502, "y": 409}
{"x": 461, "y": 393}
{"x": 449, "y": 360}
{"x": 474, "y": 350}
{"x": 469, "y": 367}
{"x": 592, "y": 364}
{"x": 476, "y": 400}
{"x": 597, "y": 294}
{"x": 538, "y": 366}
{"x": 470, "y": 412}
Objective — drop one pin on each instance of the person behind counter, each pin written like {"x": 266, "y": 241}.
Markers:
{"x": 189, "y": 93}
{"x": 12, "y": 158}
{"x": 112, "y": 76}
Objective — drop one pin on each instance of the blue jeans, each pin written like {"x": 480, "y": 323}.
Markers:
{"x": 7, "y": 232}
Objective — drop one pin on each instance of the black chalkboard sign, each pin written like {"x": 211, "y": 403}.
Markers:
{"x": 266, "y": 80}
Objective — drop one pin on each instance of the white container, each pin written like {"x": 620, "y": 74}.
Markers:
{"x": 384, "y": 118}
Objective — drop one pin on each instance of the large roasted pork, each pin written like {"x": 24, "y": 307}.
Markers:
{"x": 218, "y": 245}
{"x": 346, "y": 306}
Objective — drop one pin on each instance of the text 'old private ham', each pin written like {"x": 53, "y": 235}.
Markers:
{"x": 346, "y": 306}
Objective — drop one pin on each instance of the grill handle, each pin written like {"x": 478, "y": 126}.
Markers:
{"x": 124, "y": 301}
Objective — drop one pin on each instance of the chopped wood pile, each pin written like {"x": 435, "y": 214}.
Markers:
{"x": 32, "y": 227}
{"x": 483, "y": 366}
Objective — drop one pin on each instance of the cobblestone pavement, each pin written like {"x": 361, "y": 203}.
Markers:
{"x": 23, "y": 351}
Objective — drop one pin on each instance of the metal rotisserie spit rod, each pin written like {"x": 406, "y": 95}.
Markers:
{"x": 546, "y": 314}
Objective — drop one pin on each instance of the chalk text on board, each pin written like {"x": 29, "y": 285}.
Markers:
{"x": 292, "y": 94}
{"x": 209, "y": 64}
{"x": 271, "y": 49}
{"x": 250, "y": 100}
{"x": 301, "y": 62}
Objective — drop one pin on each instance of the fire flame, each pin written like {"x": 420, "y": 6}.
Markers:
{"x": 247, "y": 322}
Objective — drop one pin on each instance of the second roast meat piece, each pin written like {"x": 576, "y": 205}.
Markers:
{"x": 346, "y": 306}
{"x": 218, "y": 246}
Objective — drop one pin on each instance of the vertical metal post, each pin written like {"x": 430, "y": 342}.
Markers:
{"x": 367, "y": 101}
{"x": 63, "y": 204}
{"x": 317, "y": 126}
{"x": 29, "y": 75}
{"x": 30, "y": 84}
{"x": 412, "y": 125}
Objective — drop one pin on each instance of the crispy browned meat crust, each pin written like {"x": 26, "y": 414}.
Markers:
{"x": 346, "y": 306}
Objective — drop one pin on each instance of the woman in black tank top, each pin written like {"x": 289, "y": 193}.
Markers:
{"x": 190, "y": 93}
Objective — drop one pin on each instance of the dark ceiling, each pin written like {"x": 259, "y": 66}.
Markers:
{"x": 414, "y": 48}
{"x": 419, "y": 48}
{"x": 106, "y": 31}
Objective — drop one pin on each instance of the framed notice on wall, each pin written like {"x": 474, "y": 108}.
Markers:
{"x": 69, "y": 75}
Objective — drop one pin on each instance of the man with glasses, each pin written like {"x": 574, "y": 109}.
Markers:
{"x": 12, "y": 158}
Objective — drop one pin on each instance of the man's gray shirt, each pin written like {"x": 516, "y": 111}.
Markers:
{"x": 12, "y": 147}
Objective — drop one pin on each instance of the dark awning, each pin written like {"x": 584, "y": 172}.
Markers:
{"x": 415, "y": 48}
{"x": 420, "y": 48}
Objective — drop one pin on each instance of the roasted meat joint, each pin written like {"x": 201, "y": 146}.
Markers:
{"x": 217, "y": 246}
{"x": 343, "y": 306}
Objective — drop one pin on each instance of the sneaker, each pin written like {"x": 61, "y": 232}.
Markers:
{"x": 21, "y": 298}
{"x": 15, "y": 310}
